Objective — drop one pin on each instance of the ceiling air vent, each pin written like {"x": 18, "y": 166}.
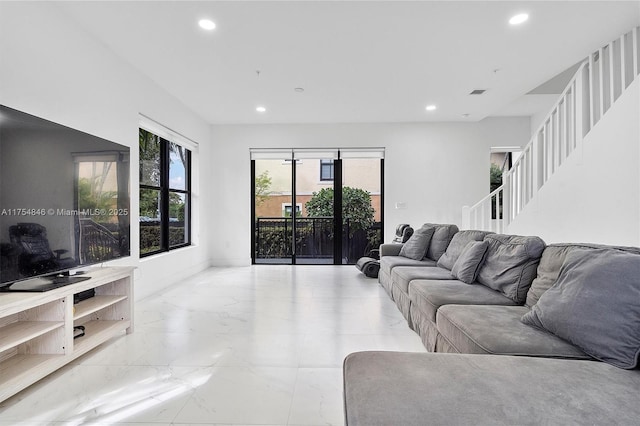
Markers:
{"x": 477, "y": 91}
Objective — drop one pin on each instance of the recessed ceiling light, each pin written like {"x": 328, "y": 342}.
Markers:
{"x": 518, "y": 19}
{"x": 431, "y": 107}
{"x": 207, "y": 24}
{"x": 261, "y": 109}
{"x": 298, "y": 89}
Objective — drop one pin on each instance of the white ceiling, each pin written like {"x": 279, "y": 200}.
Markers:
{"x": 359, "y": 61}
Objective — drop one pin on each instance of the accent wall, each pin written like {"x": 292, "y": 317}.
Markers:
{"x": 433, "y": 168}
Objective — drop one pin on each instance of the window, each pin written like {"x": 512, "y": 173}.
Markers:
{"x": 286, "y": 209}
{"x": 165, "y": 194}
{"x": 326, "y": 170}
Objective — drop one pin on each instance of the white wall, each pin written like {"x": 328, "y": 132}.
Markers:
{"x": 51, "y": 68}
{"x": 538, "y": 118}
{"x": 595, "y": 195}
{"x": 435, "y": 168}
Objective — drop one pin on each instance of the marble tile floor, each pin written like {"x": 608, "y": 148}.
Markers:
{"x": 259, "y": 345}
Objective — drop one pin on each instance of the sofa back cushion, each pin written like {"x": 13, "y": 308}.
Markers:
{"x": 548, "y": 270}
{"x": 595, "y": 304}
{"x": 416, "y": 246}
{"x": 442, "y": 235}
{"x": 457, "y": 244}
{"x": 510, "y": 264}
{"x": 551, "y": 261}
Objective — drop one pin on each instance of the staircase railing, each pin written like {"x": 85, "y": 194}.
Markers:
{"x": 487, "y": 214}
{"x": 596, "y": 85}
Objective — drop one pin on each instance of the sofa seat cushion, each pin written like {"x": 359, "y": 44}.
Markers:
{"x": 387, "y": 263}
{"x": 497, "y": 330}
{"x": 414, "y": 389}
{"x": 403, "y": 275}
{"x": 457, "y": 244}
{"x": 510, "y": 264}
{"x": 429, "y": 295}
{"x": 425, "y": 328}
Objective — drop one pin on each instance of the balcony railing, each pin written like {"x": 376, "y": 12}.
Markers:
{"x": 97, "y": 243}
{"x": 314, "y": 239}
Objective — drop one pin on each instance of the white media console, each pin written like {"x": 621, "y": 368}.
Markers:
{"x": 36, "y": 329}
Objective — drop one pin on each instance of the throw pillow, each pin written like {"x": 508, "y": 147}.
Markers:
{"x": 457, "y": 244}
{"x": 551, "y": 262}
{"x": 416, "y": 246}
{"x": 468, "y": 264}
{"x": 595, "y": 304}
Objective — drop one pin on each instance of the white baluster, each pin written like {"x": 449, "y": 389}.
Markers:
{"x": 506, "y": 202}
{"x": 592, "y": 91}
{"x": 466, "y": 217}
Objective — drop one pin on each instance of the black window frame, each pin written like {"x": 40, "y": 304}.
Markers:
{"x": 324, "y": 165}
{"x": 165, "y": 189}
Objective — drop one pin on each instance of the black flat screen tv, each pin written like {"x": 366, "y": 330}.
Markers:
{"x": 64, "y": 201}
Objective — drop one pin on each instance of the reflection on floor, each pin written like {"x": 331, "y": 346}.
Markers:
{"x": 260, "y": 345}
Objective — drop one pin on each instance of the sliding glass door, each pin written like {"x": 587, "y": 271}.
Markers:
{"x": 362, "y": 202}
{"x": 273, "y": 210}
{"x": 315, "y": 224}
{"x": 306, "y": 212}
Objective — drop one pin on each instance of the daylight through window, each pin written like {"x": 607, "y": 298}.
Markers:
{"x": 165, "y": 194}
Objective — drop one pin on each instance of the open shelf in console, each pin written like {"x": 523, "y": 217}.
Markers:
{"x": 36, "y": 329}
{"x": 95, "y": 304}
{"x": 20, "y": 332}
{"x": 97, "y": 332}
{"x": 21, "y": 368}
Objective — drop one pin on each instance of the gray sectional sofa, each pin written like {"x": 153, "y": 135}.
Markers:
{"x": 418, "y": 389}
{"x": 477, "y": 293}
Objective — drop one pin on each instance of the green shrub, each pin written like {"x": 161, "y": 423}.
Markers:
{"x": 150, "y": 237}
{"x": 356, "y": 207}
{"x": 275, "y": 241}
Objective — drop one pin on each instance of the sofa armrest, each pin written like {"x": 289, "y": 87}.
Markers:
{"x": 390, "y": 249}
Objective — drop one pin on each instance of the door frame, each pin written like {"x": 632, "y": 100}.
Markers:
{"x": 338, "y": 221}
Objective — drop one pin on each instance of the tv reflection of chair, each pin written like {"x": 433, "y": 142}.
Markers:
{"x": 8, "y": 262}
{"x": 35, "y": 257}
